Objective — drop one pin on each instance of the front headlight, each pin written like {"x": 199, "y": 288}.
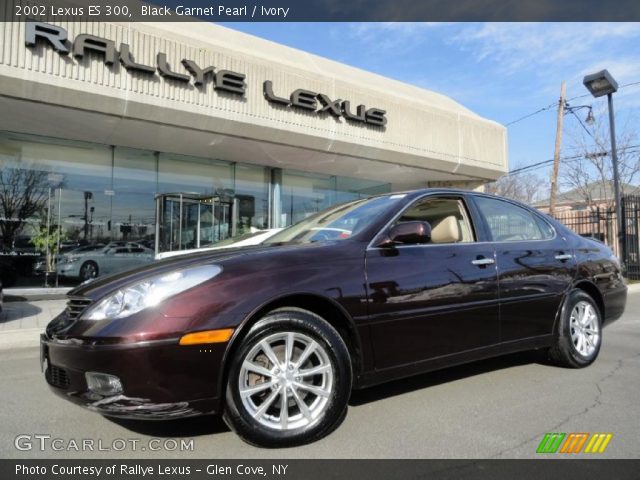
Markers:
{"x": 149, "y": 292}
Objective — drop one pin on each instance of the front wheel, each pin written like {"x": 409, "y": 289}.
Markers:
{"x": 88, "y": 271}
{"x": 289, "y": 382}
{"x": 579, "y": 333}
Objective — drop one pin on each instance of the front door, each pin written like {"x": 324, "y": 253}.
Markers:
{"x": 434, "y": 299}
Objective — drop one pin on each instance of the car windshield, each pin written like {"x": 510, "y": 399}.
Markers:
{"x": 336, "y": 223}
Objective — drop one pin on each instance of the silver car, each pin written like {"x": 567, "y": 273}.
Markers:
{"x": 112, "y": 258}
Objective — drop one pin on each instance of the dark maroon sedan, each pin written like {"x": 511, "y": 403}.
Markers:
{"x": 275, "y": 336}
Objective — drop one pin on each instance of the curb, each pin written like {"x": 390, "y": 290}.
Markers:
{"x": 35, "y": 294}
{"x": 25, "y": 338}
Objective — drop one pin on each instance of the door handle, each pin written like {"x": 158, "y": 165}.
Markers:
{"x": 564, "y": 256}
{"x": 483, "y": 261}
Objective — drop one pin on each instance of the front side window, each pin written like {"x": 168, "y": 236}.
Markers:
{"x": 447, "y": 216}
{"x": 510, "y": 223}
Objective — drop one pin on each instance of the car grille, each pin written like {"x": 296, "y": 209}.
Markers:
{"x": 57, "y": 377}
{"x": 77, "y": 305}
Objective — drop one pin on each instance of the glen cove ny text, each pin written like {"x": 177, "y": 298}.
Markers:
{"x": 221, "y": 11}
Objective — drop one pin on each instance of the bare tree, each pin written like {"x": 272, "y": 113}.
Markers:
{"x": 525, "y": 187}
{"x": 23, "y": 195}
{"x": 591, "y": 172}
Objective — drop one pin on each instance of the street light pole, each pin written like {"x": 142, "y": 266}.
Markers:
{"x": 616, "y": 179}
{"x": 600, "y": 84}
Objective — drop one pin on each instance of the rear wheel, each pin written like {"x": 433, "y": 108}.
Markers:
{"x": 290, "y": 381}
{"x": 579, "y": 332}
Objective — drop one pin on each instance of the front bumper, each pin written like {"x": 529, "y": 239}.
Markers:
{"x": 160, "y": 379}
{"x": 68, "y": 269}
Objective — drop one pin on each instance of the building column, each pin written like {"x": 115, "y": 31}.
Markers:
{"x": 275, "y": 197}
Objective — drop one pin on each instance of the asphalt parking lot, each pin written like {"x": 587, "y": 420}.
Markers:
{"x": 499, "y": 408}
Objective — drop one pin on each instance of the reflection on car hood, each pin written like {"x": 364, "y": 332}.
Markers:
{"x": 104, "y": 285}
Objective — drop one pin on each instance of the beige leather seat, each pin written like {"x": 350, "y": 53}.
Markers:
{"x": 446, "y": 230}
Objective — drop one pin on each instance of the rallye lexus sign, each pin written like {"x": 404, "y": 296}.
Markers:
{"x": 222, "y": 80}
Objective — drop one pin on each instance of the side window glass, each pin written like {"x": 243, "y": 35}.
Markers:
{"x": 447, "y": 216}
{"x": 510, "y": 223}
{"x": 546, "y": 229}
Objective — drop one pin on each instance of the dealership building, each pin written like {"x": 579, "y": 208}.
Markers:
{"x": 179, "y": 135}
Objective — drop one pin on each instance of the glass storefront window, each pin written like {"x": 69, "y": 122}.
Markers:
{"x": 304, "y": 194}
{"x": 180, "y": 173}
{"x": 134, "y": 183}
{"x": 348, "y": 189}
{"x": 50, "y": 192}
{"x": 252, "y": 196}
{"x": 71, "y": 210}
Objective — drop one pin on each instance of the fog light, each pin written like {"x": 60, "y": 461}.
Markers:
{"x": 103, "y": 384}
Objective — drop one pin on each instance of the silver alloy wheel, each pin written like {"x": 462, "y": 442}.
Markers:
{"x": 286, "y": 381}
{"x": 585, "y": 331}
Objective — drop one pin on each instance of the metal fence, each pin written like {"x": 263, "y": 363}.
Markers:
{"x": 631, "y": 214}
{"x": 601, "y": 223}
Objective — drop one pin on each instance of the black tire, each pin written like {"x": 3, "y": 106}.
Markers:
{"x": 566, "y": 352}
{"x": 304, "y": 325}
{"x": 89, "y": 270}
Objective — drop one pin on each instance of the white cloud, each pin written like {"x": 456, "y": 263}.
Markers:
{"x": 517, "y": 47}
{"x": 390, "y": 35}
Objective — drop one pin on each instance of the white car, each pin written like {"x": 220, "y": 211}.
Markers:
{"x": 253, "y": 238}
{"x": 112, "y": 258}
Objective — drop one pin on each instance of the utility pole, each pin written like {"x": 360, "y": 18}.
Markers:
{"x": 556, "y": 152}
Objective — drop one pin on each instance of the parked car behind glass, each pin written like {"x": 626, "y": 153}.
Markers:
{"x": 91, "y": 261}
{"x": 275, "y": 336}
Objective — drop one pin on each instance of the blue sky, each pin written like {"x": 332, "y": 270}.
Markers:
{"x": 501, "y": 71}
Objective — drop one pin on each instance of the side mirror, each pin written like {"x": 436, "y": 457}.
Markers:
{"x": 409, "y": 232}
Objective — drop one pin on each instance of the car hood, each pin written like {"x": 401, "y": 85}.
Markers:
{"x": 102, "y": 286}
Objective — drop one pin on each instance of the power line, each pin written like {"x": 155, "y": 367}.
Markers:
{"x": 572, "y": 158}
{"x": 540, "y": 164}
{"x": 531, "y": 114}
{"x": 583, "y": 125}
{"x": 556, "y": 103}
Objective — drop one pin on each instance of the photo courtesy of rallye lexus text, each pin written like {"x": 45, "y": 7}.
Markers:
{"x": 275, "y": 336}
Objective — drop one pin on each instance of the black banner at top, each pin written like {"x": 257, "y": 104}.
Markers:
{"x": 321, "y": 10}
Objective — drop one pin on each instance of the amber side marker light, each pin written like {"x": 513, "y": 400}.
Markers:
{"x": 208, "y": 336}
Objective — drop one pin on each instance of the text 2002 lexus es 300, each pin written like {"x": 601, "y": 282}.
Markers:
{"x": 275, "y": 336}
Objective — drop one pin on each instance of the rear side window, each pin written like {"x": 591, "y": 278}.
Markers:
{"x": 510, "y": 223}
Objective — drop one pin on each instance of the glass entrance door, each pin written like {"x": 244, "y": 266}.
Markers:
{"x": 187, "y": 221}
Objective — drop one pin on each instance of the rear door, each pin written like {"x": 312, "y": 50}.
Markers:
{"x": 435, "y": 299}
{"x": 536, "y": 267}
